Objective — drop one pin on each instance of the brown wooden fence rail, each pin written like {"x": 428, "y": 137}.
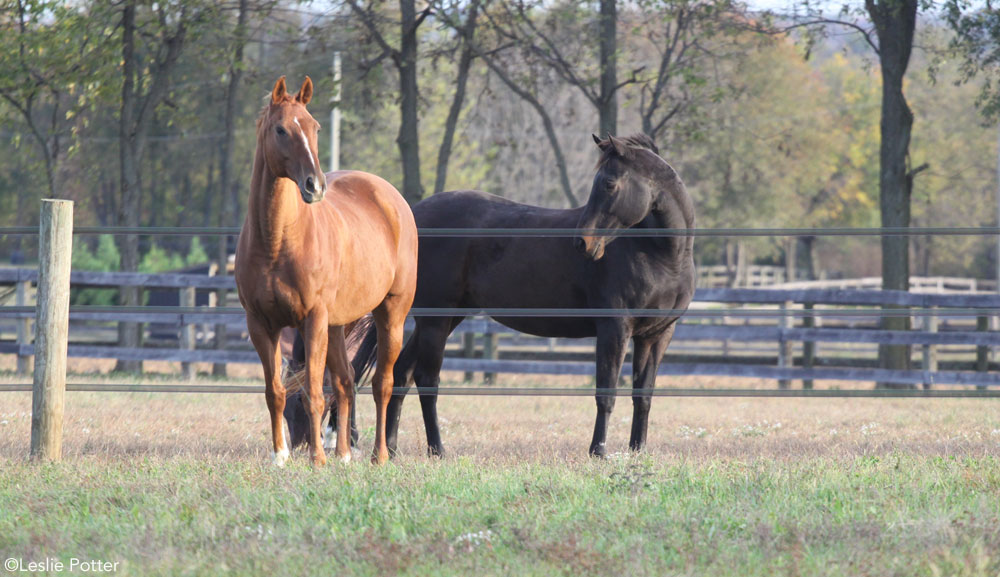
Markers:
{"x": 782, "y": 335}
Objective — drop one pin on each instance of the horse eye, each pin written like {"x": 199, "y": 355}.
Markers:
{"x": 281, "y": 131}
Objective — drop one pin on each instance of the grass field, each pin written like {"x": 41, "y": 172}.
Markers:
{"x": 181, "y": 485}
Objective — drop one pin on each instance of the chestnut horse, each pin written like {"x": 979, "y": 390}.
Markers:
{"x": 319, "y": 261}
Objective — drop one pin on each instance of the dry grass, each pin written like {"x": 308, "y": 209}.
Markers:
{"x": 234, "y": 426}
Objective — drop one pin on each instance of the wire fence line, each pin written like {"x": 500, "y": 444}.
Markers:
{"x": 553, "y": 232}
{"x": 553, "y": 391}
{"x": 199, "y": 314}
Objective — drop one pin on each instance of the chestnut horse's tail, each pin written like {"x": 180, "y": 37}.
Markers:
{"x": 363, "y": 336}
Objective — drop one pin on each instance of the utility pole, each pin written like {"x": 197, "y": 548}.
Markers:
{"x": 335, "y": 116}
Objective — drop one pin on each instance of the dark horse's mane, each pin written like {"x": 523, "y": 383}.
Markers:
{"x": 637, "y": 140}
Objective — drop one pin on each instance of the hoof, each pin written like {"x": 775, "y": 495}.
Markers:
{"x": 598, "y": 451}
{"x": 380, "y": 459}
{"x": 279, "y": 458}
{"x": 435, "y": 451}
{"x": 345, "y": 458}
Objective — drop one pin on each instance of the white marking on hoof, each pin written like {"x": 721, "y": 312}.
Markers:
{"x": 280, "y": 457}
{"x": 345, "y": 459}
{"x": 329, "y": 438}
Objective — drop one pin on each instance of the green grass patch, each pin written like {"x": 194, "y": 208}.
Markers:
{"x": 627, "y": 515}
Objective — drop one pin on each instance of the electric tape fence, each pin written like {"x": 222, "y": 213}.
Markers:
{"x": 870, "y": 312}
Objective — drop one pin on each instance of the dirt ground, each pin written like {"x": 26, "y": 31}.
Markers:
{"x": 234, "y": 426}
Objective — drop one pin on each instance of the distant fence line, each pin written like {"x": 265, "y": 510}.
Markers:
{"x": 790, "y": 303}
{"x": 554, "y": 232}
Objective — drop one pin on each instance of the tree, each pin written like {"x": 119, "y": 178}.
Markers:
{"x": 405, "y": 60}
{"x": 162, "y": 30}
{"x": 229, "y": 201}
{"x": 49, "y": 53}
{"x": 889, "y": 31}
{"x": 679, "y": 44}
{"x": 466, "y": 38}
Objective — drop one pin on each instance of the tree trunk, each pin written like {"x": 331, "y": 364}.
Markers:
{"x": 791, "y": 244}
{"x": 809, "y": 252}
{"x": 228, "y": 208}
{"x": 464, "y": 64}
{"x": 609, "y": 78}
{"x": 409, "y": 144}
{"x": 895, "y": 21}
{"x": 129, "y": 333}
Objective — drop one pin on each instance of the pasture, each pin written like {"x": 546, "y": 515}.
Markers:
{"x": 174, "y": 484}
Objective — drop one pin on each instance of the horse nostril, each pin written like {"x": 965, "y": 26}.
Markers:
{"x": 310, "y": 184}
{"x": 579, "y": 244}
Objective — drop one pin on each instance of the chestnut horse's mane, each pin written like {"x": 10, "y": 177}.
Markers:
{"x": 267, "y": 106}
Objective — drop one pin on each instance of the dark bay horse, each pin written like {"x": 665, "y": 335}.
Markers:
{"x": 317, "y": 252}
{"x": 633, "y": 188}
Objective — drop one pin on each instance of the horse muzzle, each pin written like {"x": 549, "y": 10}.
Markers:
{"x": 592, "y": 246}
{"x": 312, "y": 192}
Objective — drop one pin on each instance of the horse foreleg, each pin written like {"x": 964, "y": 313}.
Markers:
{"x": 612, "y": 341}
{"x": 646, "y": 356}
{"x": 343, "y": 386}
{"x": 265, "y": 341}
{"x": 389, "y": 319}
{"x": 315, "y": 333}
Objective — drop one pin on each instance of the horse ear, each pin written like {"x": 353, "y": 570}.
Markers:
{"x": 619, "y": 146}
{"x": 306, "y": 92}
{"x": 280, "y": 91}
{"x": 597, "y": 141}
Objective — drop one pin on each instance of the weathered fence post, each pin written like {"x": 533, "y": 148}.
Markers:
{"x": 785, "y": 358}
{"x": 187, "y": 299}
{"x": 808, "y": 347}
{"x": 930, "y": 351}
{"x": 982, "y": 351}
{"x": 489, "y": 353}
{"x": 469, "y": 351}
{"x": 55, "y": 247}
{"x": 24, "y": 336}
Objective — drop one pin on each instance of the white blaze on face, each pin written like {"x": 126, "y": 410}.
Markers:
{"x": 305, "y": 141}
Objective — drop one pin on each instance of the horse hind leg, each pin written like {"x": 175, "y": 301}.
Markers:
{"x": 343, "y": 386}
{"x": 389, "y": 319}
{"x": 427, "y": 376}
{"x": 265, "y": 342}
{"x": 646, "y": 356}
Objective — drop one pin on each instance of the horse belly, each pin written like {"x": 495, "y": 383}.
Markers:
{"x": 363, "y": 285}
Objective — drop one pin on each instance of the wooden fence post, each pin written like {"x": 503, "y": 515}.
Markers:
{"x": 930, "y": 351}
{"x": 469, "y": 351}
{"x": 785, "y": 358}
{"x": 982, "y": 351}
{"x": 24, "y": 335}
{"x": 808, "y": 347}
{"x": 55, "y": 247}
{"x": 490, "y": 353}
{"x": 187, "y": 299}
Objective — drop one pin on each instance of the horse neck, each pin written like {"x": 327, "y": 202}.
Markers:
{"x": 274, "y": 211}
{"x": 673, "y": 208}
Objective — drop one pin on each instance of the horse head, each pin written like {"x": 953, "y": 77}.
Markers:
{"x": 287, "y": 135}
{"x": 623, "y": 192}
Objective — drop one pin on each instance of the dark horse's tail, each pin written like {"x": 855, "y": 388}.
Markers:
{"x": 362, "y": 335}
